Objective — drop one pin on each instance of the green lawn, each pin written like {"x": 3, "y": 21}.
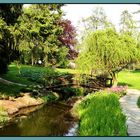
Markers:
{"x": 13, "y": 75}
{"x": 30, "y": 75}
{"x": 130, "y": 78}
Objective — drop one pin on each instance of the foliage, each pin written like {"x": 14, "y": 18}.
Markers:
{"x": 127, "y": 25}
{"x": 68, "y": 37}
{"x": 97, "y": 20}
{"x": 65, "y": 70}
{"x": 120, "y": 90}
{"x": 3, "y": 116}
{"x": 79, "y": 91}
{"x": 103, "y": 52}
{"x": 138, "y": 102}
{"x": 50, "y": 97}
{"x": 100, "y": 114}
{"x": 61, "y": 57}
{"x": 30, "y": 76}
{"x": 41, "y": 33}
{"x": 9, "y": 14}
{"x": 9, "y": 90}
{"x": 14, "y": 76}
{"x": 72, "y": 91}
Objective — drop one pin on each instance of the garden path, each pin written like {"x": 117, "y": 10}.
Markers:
{"x": 131, "y": 110}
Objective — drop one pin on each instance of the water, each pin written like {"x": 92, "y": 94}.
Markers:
{"x": 50, "y": 120}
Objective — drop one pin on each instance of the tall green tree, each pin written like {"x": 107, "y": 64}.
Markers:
{"x": 30, "y": 42}
{"x": 9, "y": 14}
{"x": 41, "y": 34}
{"x": 97, "y": 20}
{"x": 107, "y": 52}
{"x": 127, "y": 23}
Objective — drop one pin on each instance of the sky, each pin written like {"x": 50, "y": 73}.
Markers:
{"x": 75, "y": 12}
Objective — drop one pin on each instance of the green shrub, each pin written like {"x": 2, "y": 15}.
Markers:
{"x": 100, "y": 115}
{"x": 79, "y": 91}
{"x": 42, "y": 76}
{"x": 50, "y": 97}
{"x": 119, "y": 90}
{"x": 138, "y": 102}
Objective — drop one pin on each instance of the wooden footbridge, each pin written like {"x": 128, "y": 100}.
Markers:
{"x": 92, "y": 82}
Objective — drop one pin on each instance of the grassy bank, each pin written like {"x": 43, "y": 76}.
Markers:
{"x": 100, "y": 115}
{"x": 130, "y": 78}
{"x": 29, "y": 75}
{"x": 35, "y": 77}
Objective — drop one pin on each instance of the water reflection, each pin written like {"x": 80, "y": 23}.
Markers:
{"x": 50, "y": 120}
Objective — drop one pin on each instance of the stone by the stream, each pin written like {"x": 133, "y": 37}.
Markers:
{"x": 131, "y": 110}
{"x": 13, "y": 106}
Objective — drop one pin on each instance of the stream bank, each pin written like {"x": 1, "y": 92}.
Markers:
{"x": 9, "y": 108}
{"x": 14, "y": 105}
{"x": 50, "y": 119}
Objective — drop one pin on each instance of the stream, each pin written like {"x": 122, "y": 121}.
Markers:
{"x": 52, "y": 119}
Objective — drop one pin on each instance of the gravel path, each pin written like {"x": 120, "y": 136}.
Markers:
{"x": 131, "y": 110}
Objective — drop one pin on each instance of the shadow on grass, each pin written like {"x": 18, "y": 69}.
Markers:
{"x": 124, "y": 84}
{"x": 136, "y": 71}
{"x": 10, "y": 90}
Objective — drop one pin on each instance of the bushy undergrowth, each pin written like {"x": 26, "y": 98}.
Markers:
{"x": 50, "y": 97}
{"x": 100, "y": 115}
{"x": 38, "y": 75}
{"x": 119, "y": 90}
{"x": 9, "y": 90}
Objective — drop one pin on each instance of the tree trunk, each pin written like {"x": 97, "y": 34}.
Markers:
{"x": 114, "y": 79}
{"x": 18, "y": 66}
{"x": 32, "y": 59}
{"x": 46, "y": 61}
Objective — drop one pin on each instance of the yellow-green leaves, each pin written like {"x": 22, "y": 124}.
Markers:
{"x": 106, "y": 50}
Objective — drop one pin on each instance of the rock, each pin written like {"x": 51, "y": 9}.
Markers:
{"x": 23, "y": 117}
{"x": 72, "y": 65}
{"x": 12, "y": 110}
{"x": 12, "y": 107}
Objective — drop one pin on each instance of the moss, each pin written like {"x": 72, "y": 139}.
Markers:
{"x": 3, "y": 116}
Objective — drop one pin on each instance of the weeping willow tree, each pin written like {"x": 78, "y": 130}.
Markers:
{"x": 107, "y": 52}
